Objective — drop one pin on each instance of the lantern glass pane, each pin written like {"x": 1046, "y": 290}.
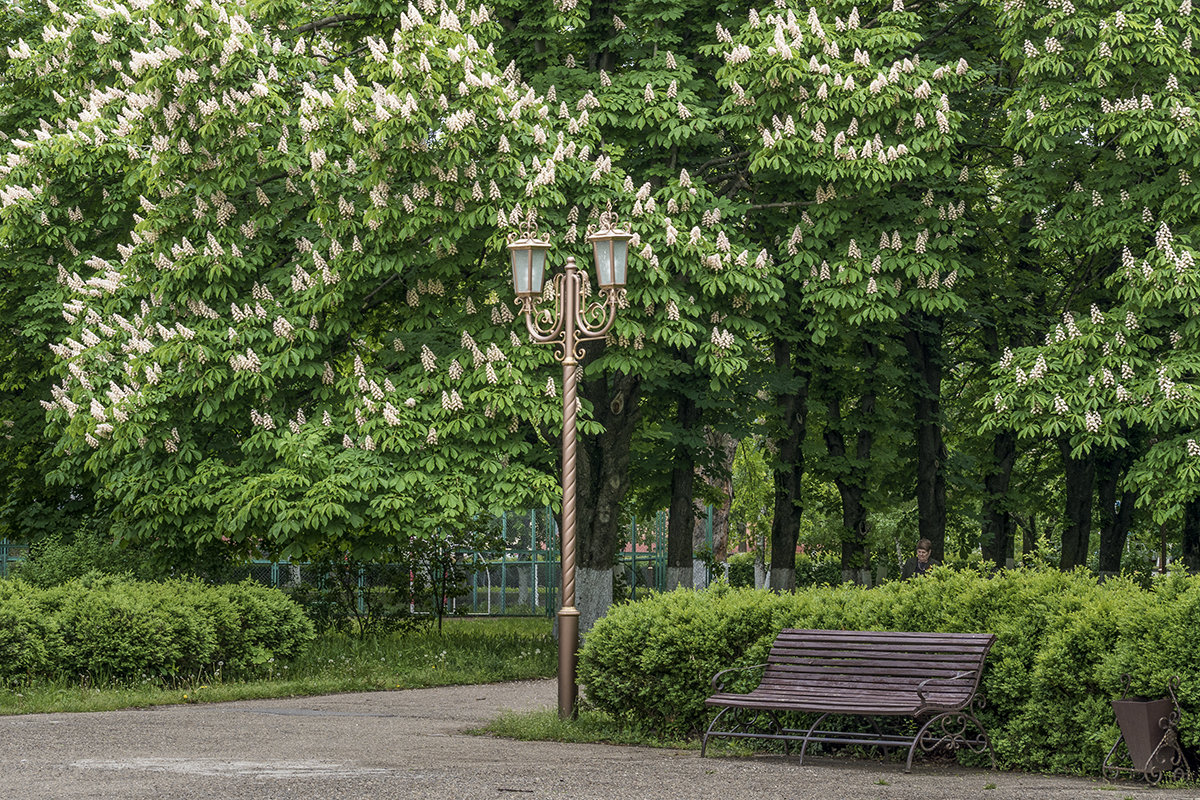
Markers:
{"x": 537, "y": 270}
{"x": 620, "y": 258}
{"x": 602, "y": 252}
{"x": 520, "y": 268}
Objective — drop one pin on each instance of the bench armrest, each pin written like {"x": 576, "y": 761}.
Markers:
{"x": 954, "y": 677}
{"x": 719, "y": 686}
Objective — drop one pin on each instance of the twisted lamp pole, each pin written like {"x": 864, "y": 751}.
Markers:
{"x": 571, "y": 320}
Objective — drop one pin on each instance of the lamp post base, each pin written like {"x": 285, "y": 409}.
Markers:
{"x": 568, "y": 648}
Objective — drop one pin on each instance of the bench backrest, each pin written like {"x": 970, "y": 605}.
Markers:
{"x": 879, "y": 663}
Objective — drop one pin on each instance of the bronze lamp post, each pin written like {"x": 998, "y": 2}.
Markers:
{"x": 571, "y": 320}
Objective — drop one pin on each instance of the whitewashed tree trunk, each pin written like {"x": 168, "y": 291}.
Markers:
{"x": 593, "y": 595}
{"x": 678, "y": 577}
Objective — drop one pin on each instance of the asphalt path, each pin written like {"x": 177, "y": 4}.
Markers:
{"x": 414, "y": 744}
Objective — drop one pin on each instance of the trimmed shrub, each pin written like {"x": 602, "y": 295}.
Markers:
{"x": 107, "y": 628}
{"x": 818, "y": 569}
{"x": 1062, "y": 644}
{"x": 267, "y": 625}
{"x": 27, "y": 639}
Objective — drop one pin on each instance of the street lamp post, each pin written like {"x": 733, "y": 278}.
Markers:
{"x": 571, "y": 320}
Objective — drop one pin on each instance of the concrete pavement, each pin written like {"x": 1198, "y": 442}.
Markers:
{"x": 412, "y": 744}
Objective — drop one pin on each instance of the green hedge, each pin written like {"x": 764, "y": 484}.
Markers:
{"x": 106, "y": 628}
{"x": 1063, "y": 643}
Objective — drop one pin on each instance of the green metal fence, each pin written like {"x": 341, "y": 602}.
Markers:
{"x": 10, "y": 553}
{"x": 523, "y": 579}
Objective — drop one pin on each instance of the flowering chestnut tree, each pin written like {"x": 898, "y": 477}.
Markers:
{"x": 1104, "y": 158}
{"x": 851, "y": 151}
{"x": 277, "y": 238}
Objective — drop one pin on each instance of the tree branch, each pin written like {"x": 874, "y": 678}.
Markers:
{"x": 367, "y": 300}
{"x": 336, "y": 19}
{"x": 723, "y": 160}
{"x": 789, "y": 204}
{"x": 949, "y": 26}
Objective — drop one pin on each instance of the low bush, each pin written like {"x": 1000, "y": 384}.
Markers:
{"x": 1063, "y": 642}
{"x": 104, "y": 628}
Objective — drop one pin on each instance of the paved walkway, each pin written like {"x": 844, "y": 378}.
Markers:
{"x": 412, "y": 744}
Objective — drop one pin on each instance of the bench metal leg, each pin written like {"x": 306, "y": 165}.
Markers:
{"x": 779, "y": 729}
{"x": 951, "y": 732}
{"x": 707, "y": 733}
{"x": 808, "y": 737}
{"x": 743, "y": 727}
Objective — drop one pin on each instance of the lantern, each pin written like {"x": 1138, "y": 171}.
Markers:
{"x": 610, "y": 249}
{"x": 528, "y": 265}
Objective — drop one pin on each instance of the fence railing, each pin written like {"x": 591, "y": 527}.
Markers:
{"x": 523, "y": 579}
{"x": 11, "y": 553}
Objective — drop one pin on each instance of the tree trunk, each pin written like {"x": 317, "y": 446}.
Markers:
{"x": 1191, "y": 535}
{"x": 855, "y": 558}
{"x": 726, "y": 446}
{"x": 997, "y": 533}
{"x": 1029, "y": 535}
{"x": 1077, "y": 532}
{"x": 681, "y": 519}
{"x": 923, "y": 340}
{"x": 1116, "y": 511}
{"x": 700, "y": 541}
{"x": 603, "y": 480}
{"x": 785, "y": 526}
{"x": 851, "y": 487}
{"x": 851, "y": 476}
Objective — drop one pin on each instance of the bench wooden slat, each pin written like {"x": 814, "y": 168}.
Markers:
{"x": 927, "y": 653}
{"x": 882, "y": 637}
{"x": 919, "y": 656}
{"x": 815, "y": 671}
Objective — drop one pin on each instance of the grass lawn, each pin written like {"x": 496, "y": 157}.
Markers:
{"x": 590, "y": 727}
{"x": 472, "y": 650}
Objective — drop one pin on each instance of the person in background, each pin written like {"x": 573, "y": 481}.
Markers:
{"x": 921, "y": 562}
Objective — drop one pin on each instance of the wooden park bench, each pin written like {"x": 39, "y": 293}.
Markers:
{"x": 931, "y": 678}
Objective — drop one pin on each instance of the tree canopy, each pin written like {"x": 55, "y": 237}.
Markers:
{"x": 922, "y": 250}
